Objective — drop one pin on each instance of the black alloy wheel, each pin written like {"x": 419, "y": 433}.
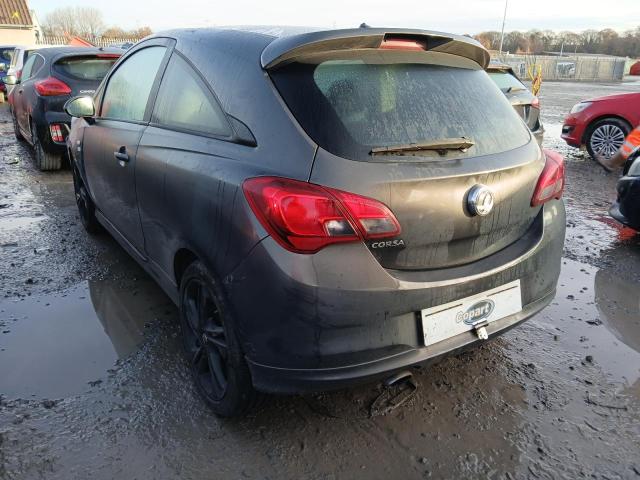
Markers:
{"x": 214, "y": 355}
{"x": 205, "y": 340}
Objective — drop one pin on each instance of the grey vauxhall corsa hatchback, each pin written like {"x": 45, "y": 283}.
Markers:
{"x": 326, "y": 208}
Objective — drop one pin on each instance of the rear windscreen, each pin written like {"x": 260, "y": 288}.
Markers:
{"x": 85, "y": 68}
{"x": 349, "y": 106}
{"x": 506, "y": 82}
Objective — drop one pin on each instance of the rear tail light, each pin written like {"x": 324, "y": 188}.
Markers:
{"x": 551, "y": 182}
{"x": 56, "y": 132}
{"x": 304, "y": 218}
{"x": 535, "y": 103}
{"x": 51, "y": 86}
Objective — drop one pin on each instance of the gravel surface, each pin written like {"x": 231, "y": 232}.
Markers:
{"x": 93, "y": 383}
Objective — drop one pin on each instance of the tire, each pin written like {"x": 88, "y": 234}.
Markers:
{"x": 220, "y": 372}
{"x": 45, "y": 161}
{"x": 606, "y": 136}
{"x": 16, "y": 128}
{"x": 86, "y": 207}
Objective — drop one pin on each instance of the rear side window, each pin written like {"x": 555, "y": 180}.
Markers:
{"x": 506, "y": 82}
{"x": 31, "y": 67}
{"x": 85, "y": 68}
{"x": 37, "y": 65}
{"x": 128, "y": 89}
{"x": 349, "y": 106}
{"x": 184, "y": 102}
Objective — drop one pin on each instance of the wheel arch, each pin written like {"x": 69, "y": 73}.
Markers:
{"x": 181, "y": 260}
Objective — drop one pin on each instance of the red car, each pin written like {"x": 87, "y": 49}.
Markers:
{"x": 601, "y": 124}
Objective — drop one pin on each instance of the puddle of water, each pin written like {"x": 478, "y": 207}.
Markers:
{"x": 597, "y": 312}
{"x": 51, "y": 346}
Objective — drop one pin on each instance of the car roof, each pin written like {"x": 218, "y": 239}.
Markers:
{"x": 25, "y": 47}
{"x": 61, "y": 51}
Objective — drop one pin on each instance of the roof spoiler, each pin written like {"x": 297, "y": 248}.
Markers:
{"x": 285, "y": 50}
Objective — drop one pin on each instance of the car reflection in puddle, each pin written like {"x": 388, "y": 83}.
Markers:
{"x": 53, "y": 346}
{"x": 618, "y": 301}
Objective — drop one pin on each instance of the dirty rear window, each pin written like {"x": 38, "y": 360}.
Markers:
{"x": 85, "y": 68}
{"x": 349, "y": 106}
{"x": 506, "y": 82}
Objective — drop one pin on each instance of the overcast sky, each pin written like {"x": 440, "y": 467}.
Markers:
{"x": 456, "y": 16}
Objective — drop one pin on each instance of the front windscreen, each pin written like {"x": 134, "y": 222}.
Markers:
{"x": 6, "y": 54}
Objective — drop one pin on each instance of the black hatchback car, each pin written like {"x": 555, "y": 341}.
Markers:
{"x": 326, "y": 208}
{"x": 50, "y": 76}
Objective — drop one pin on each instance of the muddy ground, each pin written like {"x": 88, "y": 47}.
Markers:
{"x": 93, "y": 384}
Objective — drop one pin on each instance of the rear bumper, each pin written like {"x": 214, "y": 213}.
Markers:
{"x": 43, "y": 123}
{"x": 337, "y": 318}
{"x": 289, "y": 380}
{"x": 626, "y": 209}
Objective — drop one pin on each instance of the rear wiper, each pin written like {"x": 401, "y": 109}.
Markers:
{"x": 511, "y": 90}
{"x": 441, "y": 146}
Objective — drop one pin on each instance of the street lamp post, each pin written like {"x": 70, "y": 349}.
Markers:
{"x": 504, "y": 19}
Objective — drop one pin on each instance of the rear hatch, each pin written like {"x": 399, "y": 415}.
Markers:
{"x": 353, "y": 102}
{"x": 81, "y": 73}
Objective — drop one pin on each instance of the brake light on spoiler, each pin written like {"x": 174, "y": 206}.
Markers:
{"x": 399, "y": 43}
{"x": 551, "y": 182}
{"x": 304, "y": 218}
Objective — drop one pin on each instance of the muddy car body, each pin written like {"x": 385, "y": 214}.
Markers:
{"x": 304, "y": 253}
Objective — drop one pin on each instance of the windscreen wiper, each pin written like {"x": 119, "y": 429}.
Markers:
{"x": 441, "y": 146}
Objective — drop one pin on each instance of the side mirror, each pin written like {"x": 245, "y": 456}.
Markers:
{"x": 11, "y": 80}
{"x": 80, "y": 107}
{"x": 3, "y": 67}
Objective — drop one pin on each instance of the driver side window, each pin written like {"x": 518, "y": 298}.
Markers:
{"x": 127, "y": 92}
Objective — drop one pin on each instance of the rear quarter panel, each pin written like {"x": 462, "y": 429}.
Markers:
{"x": 190, "y": 186}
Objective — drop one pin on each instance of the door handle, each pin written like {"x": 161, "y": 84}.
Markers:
{"x": 121, "y": 155}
